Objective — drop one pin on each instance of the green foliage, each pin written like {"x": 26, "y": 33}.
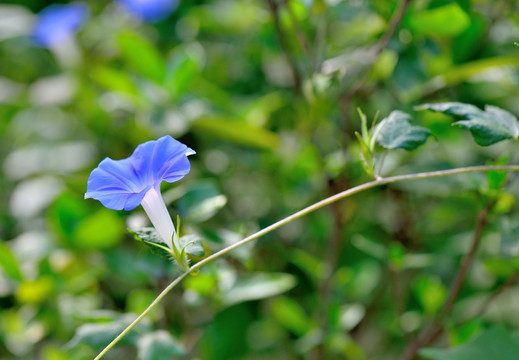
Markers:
{"x": 97, "y": 335}
{"x": 159, "y": 345}
{"x": 9, "y": 262}
{"x": 152, "y": 239}
{"x": 396, "y": 132}
{"x": 487, "y": 127}
{"x": 493, "y": 343}
{"x": 142, "y": 56}
{"x": 258, "y": 286}
{"x": 447, "y": 20}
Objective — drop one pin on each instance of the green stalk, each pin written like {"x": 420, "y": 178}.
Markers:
{"x": 297, "y": 215}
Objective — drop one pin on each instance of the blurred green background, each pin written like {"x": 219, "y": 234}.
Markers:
{"x": 262, "y": 91}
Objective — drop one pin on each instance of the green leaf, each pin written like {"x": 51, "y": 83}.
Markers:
{"x": 236, "y": 131}
{"x": 496, "y": 344}
{"x": 192, "y": 245}
{"x": 114, "y": 79}
{"x": 9, "y": 262}
{"x": 430, "y": 292}
{"x": 201, "y": 201}
{"x": 487, "y": 127}
{"x": 496, "y": 179}
{"x": 258, "y": 286}
{"x": 458, "y": 74}
{"x": 291, "y": 315}
{"x": 159, "y": 345}
{"x": 396, "y": 132}
{"x": 102, "y": 230}
{"x": 184, "y": 65}
{"x": 142, "y": 56}
{"x": 448, "y": 20}
{"x": 98, "y": 335}
{"x": 150, "y": 237}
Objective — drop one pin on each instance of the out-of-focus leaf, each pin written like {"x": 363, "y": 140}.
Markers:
{"x": 114, "y": 80}
{"x": 258, "y": 286}
{"x": 430, "y": 292}
{"x": 458, "y": 74}
{"x": 139, "y": 299}
{"x": 98, "y": 335}
{"x": 9, "y": 262}
{"x": 496, "y": 179}
{"x": 152, "y": 239}
{"x": 226, "y": 335}
{"x": 195, "y": 246}
{"x": 159, "y": 345}
{"x": 487, "y": 127}
{"x": 184, "y": 67}
{"x": 492, "y": 344}
{"x": 503, "y": 267}
{"x": 448, "y": 20}
{"x": 65, "y": 214}
{"x": 396, "y": 132}
{"x": 35, "y": 291}
{"x": 142, "y": 56}
{"x": 101, "y": 230}
{"x": 235, "y": 131}
{"x": 291, "y": 315}
{"x": 464, "y": 332}
{"x": 385, "y": 64}
{"x": 201, "y": 201}
{"x": 466, "y": 44}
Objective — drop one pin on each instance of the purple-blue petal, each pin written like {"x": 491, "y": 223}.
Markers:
{"x": 149, "y": 10}
{"x": 57, "y": 22}
{"x": 122, "y": 184}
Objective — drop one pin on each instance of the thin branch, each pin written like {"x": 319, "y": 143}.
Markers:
{"x": 379, "y": 47}
{"x": 431, "y": 333}
{"x": 331, "y": 260}
{"x": 274, "y": 10}
{"x": 300, "y": 34}
{"x": 512, "y": 280}
{"x": 297, "y": 215}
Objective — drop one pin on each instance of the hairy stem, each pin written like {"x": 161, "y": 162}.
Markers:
{"x": 297, "y": 215}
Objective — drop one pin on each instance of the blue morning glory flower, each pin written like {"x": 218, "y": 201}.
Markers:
{"x": 126, "y": 183}
{"x": 149, "y": 10}
{"x": 57, "y": 22}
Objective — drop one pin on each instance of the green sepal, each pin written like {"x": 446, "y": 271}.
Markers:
{"x": 366, "y": 156}
{"x": 192, "y": 245}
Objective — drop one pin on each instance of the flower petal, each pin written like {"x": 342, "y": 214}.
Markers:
{"x": 122, "y": 184}
{"x": 162, "y": 160}
{"x": 117, "y": 199}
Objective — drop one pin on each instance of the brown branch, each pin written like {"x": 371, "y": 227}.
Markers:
{"x": 274, "y": 10}
{"x": 512, "y": 280}
{"x": 434, "y": 330}
{"x": 394, "y": 23}
{"x": 371, "y": 306}
{"x": 331, "y": 259}
{"x": 300, "y": 34}
{"x": 377, "y": 49}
